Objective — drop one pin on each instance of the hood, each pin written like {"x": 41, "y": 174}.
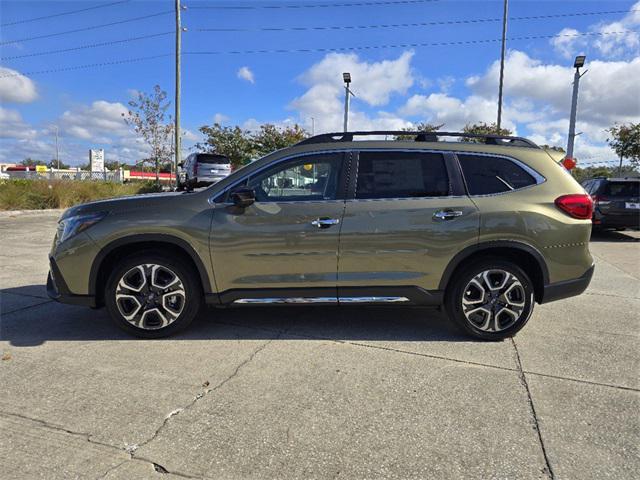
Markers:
{"x": 127, "y": 203}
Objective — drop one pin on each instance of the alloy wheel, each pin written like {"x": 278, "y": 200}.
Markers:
{"x": 493, "y": 300}
{"x": 150, "y": 296}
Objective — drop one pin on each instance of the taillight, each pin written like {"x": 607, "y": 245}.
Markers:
{"x": 578, "y": 205}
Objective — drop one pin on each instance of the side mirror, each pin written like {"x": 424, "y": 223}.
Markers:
{"x": 243, "y": 197}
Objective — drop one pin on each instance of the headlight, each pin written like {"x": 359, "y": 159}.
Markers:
{"x": 71, "y": 226}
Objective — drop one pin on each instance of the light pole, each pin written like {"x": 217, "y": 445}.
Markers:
{"x": 346, "y": 76}
{"x": 504, "y": 46}
{"x": 57, "y": 151}
{"x": 578, "y": 64}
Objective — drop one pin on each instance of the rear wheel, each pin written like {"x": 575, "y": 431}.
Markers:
{"x": 151, "y": 295}
{"x": 491, "y": 299}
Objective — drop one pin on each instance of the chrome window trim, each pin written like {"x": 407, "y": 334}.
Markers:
{"x": 536, "y": 176}
{"x": 212, "y": 199}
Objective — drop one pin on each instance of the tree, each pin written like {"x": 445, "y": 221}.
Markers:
{"x": 555, "y": 148}
{"x": 241, "y": 146}
{"x": 419, "y": 127}
{"x": 30, "y": 162}
{"x": 582, "y": 174}
{"x": 482, "y": 128}
{"x": 232, "y": 142}
{"x": 625, "y": 141}
{"x": 58, "y": 164}
{"x": 147, "y": 115}
{"x": 271, "y": 138}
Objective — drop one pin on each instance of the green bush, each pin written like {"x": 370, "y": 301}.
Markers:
{"x": 40, "y": 194}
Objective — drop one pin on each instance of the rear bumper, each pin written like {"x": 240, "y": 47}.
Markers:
{"x": 568, "y": 288}
{"x": 57, "y": 289}
{"x": 617, "y": 220}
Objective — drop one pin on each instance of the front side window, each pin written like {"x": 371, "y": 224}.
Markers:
{"x": 486, "y": 174}
{"x": 307, "y": 178}
{"x": 401, "y": 175}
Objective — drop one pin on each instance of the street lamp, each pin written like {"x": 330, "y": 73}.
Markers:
{"x": 346, "y": 77}
{"x": 577, "y": 64}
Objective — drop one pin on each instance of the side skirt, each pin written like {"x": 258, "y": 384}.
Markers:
{"x": 409, "y": 295}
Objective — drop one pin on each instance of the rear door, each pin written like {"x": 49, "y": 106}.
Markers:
{"x": 406, "y": 217}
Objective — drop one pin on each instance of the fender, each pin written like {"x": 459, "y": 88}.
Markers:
{"x": 148, "y": 237}
{"x": 470, "y": 250}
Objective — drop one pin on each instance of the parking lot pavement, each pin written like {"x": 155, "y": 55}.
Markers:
{"x": 317, "y": 392}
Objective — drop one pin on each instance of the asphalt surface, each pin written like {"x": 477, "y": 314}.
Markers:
{"x": 315, "y": 392}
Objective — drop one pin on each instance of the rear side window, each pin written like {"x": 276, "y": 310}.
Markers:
{"x": 401, "y": 175}
{"x": 486, "y": 175}
{"x": 622, "y": 189}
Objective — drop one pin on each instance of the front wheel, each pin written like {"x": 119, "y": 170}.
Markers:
{"x": 490, "y": 299}
{"x": 152, "y": 295}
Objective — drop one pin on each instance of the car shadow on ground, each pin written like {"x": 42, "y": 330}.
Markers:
{"x": 613, "y": 236}
{"x": 39, "y": 321}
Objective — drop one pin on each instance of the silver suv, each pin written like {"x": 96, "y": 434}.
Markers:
{"x": 201, "y": 169}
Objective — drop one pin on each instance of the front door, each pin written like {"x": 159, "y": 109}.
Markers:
{"x": 407, "y": 219}
{"x": 285, "y": 245}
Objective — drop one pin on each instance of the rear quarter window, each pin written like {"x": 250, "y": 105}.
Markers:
{"x": 485, "y": 175}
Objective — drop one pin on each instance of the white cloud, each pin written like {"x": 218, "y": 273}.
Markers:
{"x": 245, "y": 73}
{"x": 568, "y": 42}
{"x": 373, "y": 84}
{"x": 220, "y": 118}
{"x": 614, "y": 39}
{"x": 13, "y": 126}
{"x": 15, "y": 87}
{"x": 95, "y": 121}
{"x": 548, "y": 86}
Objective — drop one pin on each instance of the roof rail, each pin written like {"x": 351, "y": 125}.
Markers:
{"x": 489, "y": 139}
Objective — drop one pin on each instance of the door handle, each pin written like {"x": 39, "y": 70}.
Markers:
{"x": 325, "y": 222}
{"x": 447, "y": 214}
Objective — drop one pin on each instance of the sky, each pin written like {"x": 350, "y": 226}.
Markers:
{"x": 252, "y": 62}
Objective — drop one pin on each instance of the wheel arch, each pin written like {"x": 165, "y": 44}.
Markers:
{"x": 522, "y": 254}
{"x": 102, "y": 264}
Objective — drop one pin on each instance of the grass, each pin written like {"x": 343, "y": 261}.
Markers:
{"x": 41, "y": 194}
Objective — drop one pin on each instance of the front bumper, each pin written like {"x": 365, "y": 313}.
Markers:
{"x": 57, "y": 289}
{"x": 568, "y": 288}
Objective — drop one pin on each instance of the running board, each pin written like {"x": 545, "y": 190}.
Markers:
{"x": 316, "y": 300}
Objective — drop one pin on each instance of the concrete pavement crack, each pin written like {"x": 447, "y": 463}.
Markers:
{"x": 202, "y": 394}
{"x": 26, "y": 308}
{"x": 89, "y": 439}
{"x": 523, "y": 379}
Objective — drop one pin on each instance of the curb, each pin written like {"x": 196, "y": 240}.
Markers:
{"x": 13, "y": 213}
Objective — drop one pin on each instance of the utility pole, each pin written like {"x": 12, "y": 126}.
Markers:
{"x": 346, "y": 77}
{"x": 579, "y": 62}
{"x": 504, "y": 46}
{"x": 176, "y": 132}
{"x": 313, "y": 127}
{"x": 57, "y": 151}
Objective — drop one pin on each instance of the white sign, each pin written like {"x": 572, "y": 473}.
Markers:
{"x": 96, "y": 160}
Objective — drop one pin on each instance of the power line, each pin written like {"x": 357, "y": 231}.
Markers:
{"x": 312, "y": 50}
{"x": 412, "y": 24}
{"x": 95, "y": 7}
{"x": 301, "y": 6}
{"x": 404, "y": 45}
{"x": 84, "y": 29}
{"x": 91, "y": 45}
{"x": 90, "y": 65}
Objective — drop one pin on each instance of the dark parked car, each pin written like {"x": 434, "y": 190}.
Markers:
{"x": 616, "y": 202}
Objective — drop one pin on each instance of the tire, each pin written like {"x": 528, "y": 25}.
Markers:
{"x": 496, "y": 316}
{"x": 159, "y": 314}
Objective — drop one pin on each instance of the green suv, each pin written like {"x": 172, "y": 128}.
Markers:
{"x": 484, "y": 225}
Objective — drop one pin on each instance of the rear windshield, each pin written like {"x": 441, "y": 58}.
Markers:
{"x": 210, "y": 158}
{"x": 623, "y": 189}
